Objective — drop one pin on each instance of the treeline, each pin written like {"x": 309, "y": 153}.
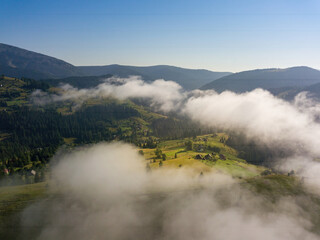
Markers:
{"x": 251, "y": 151}
{"x": 32, "y": 84}
{"x": 174, "y": 128}
{"x": 78, "y": 82}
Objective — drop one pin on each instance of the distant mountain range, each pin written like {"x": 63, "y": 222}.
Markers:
{"x": 17, "y": 62}
{"x": 187, "y": 78}
{"x": 286, "y": 83}
{"x": 295, "y": 77}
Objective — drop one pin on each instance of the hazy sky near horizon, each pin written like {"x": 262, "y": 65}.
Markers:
{"x": 220, "y": 35}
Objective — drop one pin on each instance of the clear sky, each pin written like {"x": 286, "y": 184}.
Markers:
{"x": 220, "y": 35}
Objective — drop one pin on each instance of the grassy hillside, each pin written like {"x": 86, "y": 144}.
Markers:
{"x": 224, "y": 159}
{"x": 12, "y": 92}
{"x": 13, "y": 200}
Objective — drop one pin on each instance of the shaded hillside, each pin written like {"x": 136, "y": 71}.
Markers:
{"x": 187, "y": 78}
{"x": 314, "y": 89}
{"x": 288, "y": 93}
{"x": 266, "y": 79}
{"x": 18, "y": 62}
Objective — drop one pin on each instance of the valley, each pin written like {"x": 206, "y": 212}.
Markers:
{"x": 93, "y": 153}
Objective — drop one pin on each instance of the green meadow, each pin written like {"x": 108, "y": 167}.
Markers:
{"x": 177, "y": 155}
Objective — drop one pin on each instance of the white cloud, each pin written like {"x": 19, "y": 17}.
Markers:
{"x": 163, "y": 94}
{"x": 104, "y": 192}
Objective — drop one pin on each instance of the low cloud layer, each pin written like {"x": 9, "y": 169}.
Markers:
{"x": 260, "y": 116}
{"x": 163, "y": 94}
{"x": 292, "y": 127}
{"x": 105, "y": 192}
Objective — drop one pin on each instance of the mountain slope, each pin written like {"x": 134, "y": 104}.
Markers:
{"x": 290, "y": 93}
{"x": 266, "y": 79}
{"x": 18, "y": 62}
{"x": 187, "y": 78}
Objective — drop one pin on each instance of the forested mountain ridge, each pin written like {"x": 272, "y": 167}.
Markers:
{"x": 266, "y": 79}
{"x": 187, "y": 78}
{"x": 18, "y": 62}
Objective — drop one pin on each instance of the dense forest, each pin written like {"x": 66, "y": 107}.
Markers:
{"x": 252, "y": 151}
{"x": 78, "y": 82}
{"x": 35, "y": 134}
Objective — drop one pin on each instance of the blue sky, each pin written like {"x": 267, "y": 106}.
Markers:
{"x": 219, "y": 35}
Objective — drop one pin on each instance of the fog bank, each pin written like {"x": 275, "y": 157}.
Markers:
{"x": 290, "y": 127}
{"x": 104, "y": 192}
{"x": 163, "y": 94}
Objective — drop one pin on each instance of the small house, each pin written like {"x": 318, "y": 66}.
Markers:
{"x": 208, "y": 157}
